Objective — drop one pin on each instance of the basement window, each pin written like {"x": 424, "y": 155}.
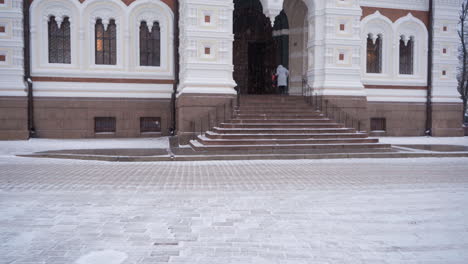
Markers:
{"x": 378, "y": 124}
{"x": 104, "y": 125}
{"x": 150, "y": 124}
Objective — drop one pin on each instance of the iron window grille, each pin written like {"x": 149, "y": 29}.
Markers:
{"x": 150, "y": 44}
{"x": 374, "y": 55}
{"x": 150, "y": 124}
{"x": 104, "y": 125}
{"x": 106, "y": 43}
{"x": 59, "y": 41}
{"x": 406, "y": 56}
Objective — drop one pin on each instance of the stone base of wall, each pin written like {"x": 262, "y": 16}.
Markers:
{"x": 447, "y": 120}
{"x": 74, "y": 117}
{"x": 13, "y": 118}
{"x": 402, "y": 119}
{"x": 355, "y": 106}
{"x": 193, "y": 111}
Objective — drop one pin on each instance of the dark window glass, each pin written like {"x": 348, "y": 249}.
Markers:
{"x": 374, "y": 55}
{"x": 150, "y": 44}
{"x": 104, "y": 125}
{"x": 59, "y": 41}
{"x": 106, "y": 43}
{"x": 378, "y": 124}
{"x": 406, "y": 56}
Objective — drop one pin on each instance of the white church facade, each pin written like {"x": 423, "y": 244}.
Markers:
{"x": 137, "y": 68}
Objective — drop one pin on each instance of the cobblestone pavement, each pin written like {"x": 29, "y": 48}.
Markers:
{"x": 302, "y": 211}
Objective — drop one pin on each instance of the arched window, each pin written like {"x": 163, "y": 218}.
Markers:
{"x": 59, "y": 40}
{"x": 150, "y": 44}
{"x": 406, "y": 55}
{"x": 106, "y": 42}
{"x": 374, "y": 54}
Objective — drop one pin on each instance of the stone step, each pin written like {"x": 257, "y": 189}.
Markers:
{"x": 281, "y": 125}
{"x": 261, "y": 109}
{"x": 284, "y": 121}
{"x": 282, "y": 130}
{"x": 280, "y": 116}
{"x": 265, "y": 98}
{"x": 214, "y": 135}
{"x": 228, "y": 142}
{"x": 276, "y": 111}
{"x": 200, "y": 147}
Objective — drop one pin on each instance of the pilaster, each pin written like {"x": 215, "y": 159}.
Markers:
{"x": 13, "y": 95}
{"x": 447, "y": 105}
{"x": 335, "y": 48}
{"x": 206, "y": 41}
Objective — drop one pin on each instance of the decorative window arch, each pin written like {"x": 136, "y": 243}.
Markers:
{"x": 105, "y": 33}
{"x": 54, "y": 34}
{"x": 377, "y": 45}
{"x": 158, "y": 18}
{"x": 411, "y": 37}
{"x": 59, "y": 40}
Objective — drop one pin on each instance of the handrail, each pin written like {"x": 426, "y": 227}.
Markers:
{"x": 327, "y": 108}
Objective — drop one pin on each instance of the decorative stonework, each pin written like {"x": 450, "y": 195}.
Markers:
{"x": 83, "y": 18}
{"x": 406, "y": 27}
{"x": 11, "y": 49}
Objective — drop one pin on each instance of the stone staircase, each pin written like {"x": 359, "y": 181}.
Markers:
{"x": 283, "y": 123}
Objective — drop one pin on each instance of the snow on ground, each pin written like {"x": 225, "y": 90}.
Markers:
{"x": 8, "y": 148}
{"x": 462, "y": 141}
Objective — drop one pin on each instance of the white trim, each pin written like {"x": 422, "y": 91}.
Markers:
{"x": 396, "y": 95}
{"x": 408, "y": 26}
{"x": 99, "y": 90}
{"x": 82, "y": 19}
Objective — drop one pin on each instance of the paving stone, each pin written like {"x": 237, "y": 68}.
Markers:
{"x": 340, "y": 211}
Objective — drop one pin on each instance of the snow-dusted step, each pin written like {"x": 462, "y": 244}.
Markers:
{"x": 260, "y": 115}
{"x": 271, "y": 123}
{"x": 285, "y": 120}
{"x": 202, "y": 147}
{"x": 225, "y": 142}
{"x": 282, "y": 130}
{"x": 214, "y": 135}
{"x": 281, "y": 125}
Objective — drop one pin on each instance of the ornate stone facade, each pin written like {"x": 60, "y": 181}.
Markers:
{"x": 327, "y": 48}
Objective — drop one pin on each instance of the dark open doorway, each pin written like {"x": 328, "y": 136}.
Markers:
{"x": 255, "y": 49}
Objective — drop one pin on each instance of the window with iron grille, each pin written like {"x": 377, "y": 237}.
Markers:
{"x": 374, "y": 54}
{"x": 104, "y": 125}
{"x": 59, "y": 41}
{"x": 150, "y": 44}
{"x": 378, "y": 124}
{"x": 150, "y": 124}
{"x": 406, "y": 56}
{"x": 106, "y": 43}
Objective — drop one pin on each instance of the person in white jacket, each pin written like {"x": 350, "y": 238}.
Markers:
{"x": 282, "y": 73}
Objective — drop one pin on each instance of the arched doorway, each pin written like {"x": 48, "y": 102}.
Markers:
{"x": 299, "y": 38}
{"x": 254, "y": 48}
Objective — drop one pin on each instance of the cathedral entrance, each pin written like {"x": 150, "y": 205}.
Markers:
{"x": 255, "y": 49}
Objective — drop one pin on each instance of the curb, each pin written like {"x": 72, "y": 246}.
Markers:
{"x": 250, "y": 156}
